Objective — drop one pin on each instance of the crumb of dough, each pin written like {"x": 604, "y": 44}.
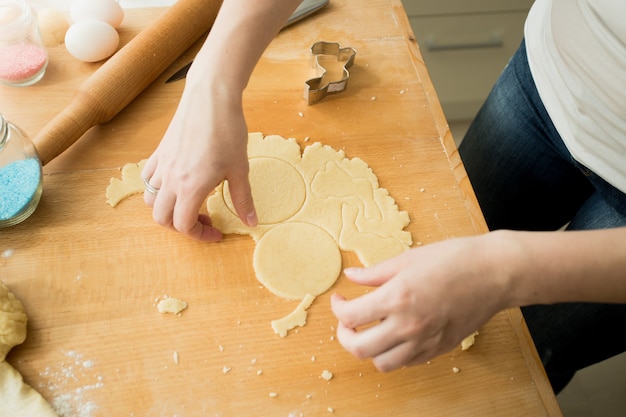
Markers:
{"x": 226, "y": 369}
{"x": 330, "y": 410}
{"x": 327, "y": 375}
{"x": 171, "y": 305}
{"x": 176, "y": 357}
{"x": 131, "y": 183}
{"x": 469, "y": 341}
{"x": 273, "y": 394}
{"x": 296, "y": 318}
{"x": 456, "y": 370}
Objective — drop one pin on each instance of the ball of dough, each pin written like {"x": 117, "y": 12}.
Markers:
{"x": 52, "y": 25}
{"x": 12, "y": 321}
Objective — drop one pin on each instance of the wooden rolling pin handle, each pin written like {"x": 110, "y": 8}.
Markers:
{"x": 127, "y": 73}
{"x": 67, "y": 127}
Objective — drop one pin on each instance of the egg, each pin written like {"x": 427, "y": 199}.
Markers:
{"x": 108, "y": 11}
{"x": 91, "y": 40}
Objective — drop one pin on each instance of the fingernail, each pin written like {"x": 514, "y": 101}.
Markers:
{"x": 338, "y": 297}
{"x": 251, "y": 219}
{"x": 353, "y": 271}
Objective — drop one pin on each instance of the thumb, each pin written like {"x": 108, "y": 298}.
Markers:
{"x": 241, "y": 196}
{"x": 380, "y": 273}
{"x": 367, "y": 276}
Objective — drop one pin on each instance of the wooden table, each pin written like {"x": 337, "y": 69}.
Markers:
{"x": 90, "y": 275}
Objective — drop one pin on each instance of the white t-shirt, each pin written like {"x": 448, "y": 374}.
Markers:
{"x": 577, "y": 56}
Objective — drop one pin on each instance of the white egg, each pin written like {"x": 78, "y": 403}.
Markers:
{"x": 91, "y": 40}
{"x": 108, "y": 11}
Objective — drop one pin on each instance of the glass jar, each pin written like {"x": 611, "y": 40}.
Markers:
{"x": 23, "y": 56}
{"x": 21, "y": 175}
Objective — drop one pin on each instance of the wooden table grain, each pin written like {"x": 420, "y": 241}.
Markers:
{"x": 90, "y": 275}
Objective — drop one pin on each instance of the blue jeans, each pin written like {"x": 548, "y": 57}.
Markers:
{"x": 526, "y": 179}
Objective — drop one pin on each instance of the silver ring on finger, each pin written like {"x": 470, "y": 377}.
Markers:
{"x": 149, "y": 188}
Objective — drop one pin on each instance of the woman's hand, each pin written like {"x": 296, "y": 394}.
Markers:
{"x": 205, "y": 143}
{"x": 427, "y": 301}
{"x": 429, "y": 298}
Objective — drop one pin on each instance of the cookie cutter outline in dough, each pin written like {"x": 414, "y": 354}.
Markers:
{"x": 314, "y": 91}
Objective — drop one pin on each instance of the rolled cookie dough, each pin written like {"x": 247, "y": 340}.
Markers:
{"x": 12, "y": 321}
{"x": 310, "y": 205}
{"x": 17, "y": 399}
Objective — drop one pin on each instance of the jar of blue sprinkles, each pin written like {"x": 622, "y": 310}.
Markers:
{"x": 21, "y": 175}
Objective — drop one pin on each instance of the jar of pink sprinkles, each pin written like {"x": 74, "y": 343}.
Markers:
{"x": 23, "y": 57}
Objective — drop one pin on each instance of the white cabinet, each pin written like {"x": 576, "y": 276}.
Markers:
{"x": 465, "y": 45}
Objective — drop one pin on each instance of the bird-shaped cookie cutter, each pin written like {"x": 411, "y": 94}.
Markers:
{"x": 316, "y": 89}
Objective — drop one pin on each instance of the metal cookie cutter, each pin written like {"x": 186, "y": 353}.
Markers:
{"x": 314, "y": 90}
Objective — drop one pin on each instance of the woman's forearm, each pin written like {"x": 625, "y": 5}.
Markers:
{"x": 242, "y": 31}
{"x": 551, "y": 267}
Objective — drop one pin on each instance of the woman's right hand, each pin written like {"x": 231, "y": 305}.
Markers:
{"x": 205, "y": 143}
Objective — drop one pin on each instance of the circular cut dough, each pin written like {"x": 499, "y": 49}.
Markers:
{"x": 278, "y": 190}
{"x": 295, "y": 259}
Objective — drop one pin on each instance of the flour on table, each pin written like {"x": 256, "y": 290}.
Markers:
{"x": 60, "y": 380}
{"x": 310, "y": 206}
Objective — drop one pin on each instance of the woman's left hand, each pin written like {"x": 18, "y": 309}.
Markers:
{"x": 427, "y": 301}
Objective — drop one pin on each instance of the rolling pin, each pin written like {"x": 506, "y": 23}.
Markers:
{"x": 127, "y": 73}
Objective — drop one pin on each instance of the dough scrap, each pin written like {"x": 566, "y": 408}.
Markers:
{"x": 171, "y": 305}
{"x": 18, "y": 399}
{"x": 469, "y": 341}
{"x": 131, "y": 183}
{"x": 296, "y": 318}
{"x": 323, "y": 189}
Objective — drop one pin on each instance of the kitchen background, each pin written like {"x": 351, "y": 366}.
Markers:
{"x": 465, "y": 45}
